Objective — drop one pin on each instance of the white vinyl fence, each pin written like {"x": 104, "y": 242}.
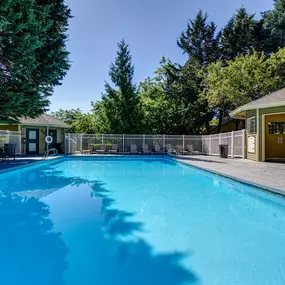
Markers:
{"x": 203, "y": 144}
{"x": 11, "y": 137}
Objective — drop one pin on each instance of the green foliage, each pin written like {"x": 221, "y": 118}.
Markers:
{"x": 78, "y": 121}
{"x": 241, "y": 34}
{"x": 224, "y": 69}
{"x": 156, "y": 108}
{"x": 244, "y": 79}
{"x": 274, "y": 22}
{"x": 33, "y": 56}
{"x": 67, "y": 116}
{"x": 200, "y": 41}
{"x": 121, "y": 106}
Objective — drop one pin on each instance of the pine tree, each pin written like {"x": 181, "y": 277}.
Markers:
{"x": 274, "y": 23}
{"x": 241, "y": 34}
{"x": 33, "y": 57}
{"x": 200, "y": 41}
{"x": 122, "y": 104}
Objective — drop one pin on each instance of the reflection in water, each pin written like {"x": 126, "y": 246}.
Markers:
{"x": 108, "y": 253}
{"x": 30, "y": 252}
{"x": 134, "y": 261}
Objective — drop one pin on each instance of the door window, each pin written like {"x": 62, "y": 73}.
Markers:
{"x": 32, "y": 135}
{"x": 32, "y": 147}
{"x": 276, "y": 128}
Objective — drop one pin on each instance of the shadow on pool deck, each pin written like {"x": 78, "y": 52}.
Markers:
{"x": 31, "y": 252}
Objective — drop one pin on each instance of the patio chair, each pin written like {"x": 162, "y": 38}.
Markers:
{"x": 170, "y": 150}
{"x": 145, "y": 149}
{"x": 157, "y": 149}
{"x": 9, "y": 151}
{"x": 133, "y": 149}
{"x": 114, "y": 149}
{"x": 102, "y": 149}
{"x": 180, "y": 150}
{"x": 191, "y": 150}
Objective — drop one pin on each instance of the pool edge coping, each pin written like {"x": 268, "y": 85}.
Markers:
{"x": 261, "y": 187}
{"x": 18, "y": 167}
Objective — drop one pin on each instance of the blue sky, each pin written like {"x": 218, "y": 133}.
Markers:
{"x": 150, "y": 27}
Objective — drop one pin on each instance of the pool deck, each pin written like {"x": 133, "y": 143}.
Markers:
{"x": 21, "y": 161}
{"x": 267, "y": 175}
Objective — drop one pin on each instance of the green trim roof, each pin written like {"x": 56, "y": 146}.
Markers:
{"x": 274, "y": 99}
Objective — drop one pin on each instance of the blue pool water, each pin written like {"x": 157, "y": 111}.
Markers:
{"x": 137, "y": 222}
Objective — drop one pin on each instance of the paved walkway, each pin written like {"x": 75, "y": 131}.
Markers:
{"x": 263, "y": 174}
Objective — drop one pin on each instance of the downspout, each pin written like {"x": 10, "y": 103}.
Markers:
{"x": 47, "y": 135}
{"x": 258, "y": 134}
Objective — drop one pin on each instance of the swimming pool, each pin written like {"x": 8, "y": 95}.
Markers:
{"x": 137, "y": 221}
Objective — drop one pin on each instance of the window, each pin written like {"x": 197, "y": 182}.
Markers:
{"x": 276, "y": 128}
{"x": 251, "y": 125}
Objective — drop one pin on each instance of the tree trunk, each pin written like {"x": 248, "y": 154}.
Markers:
{"x": 221, "y": 115}
{"x": 207, "y": 126}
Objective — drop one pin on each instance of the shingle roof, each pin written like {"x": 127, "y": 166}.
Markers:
{"x": 276, "y": 98}
{"x": 43, "y": 120}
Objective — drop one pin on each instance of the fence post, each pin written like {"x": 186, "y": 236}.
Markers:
{"x": 7, "y": 136}
{"x": 202, "y": 143}
{"x": 102, "y": 140}
{"x": 210, "y": 144}
{"x": 69, "y": 138}
{"x": 143, "y": 138}
{"x": 81, "y": 144}
{"x": 220, "y": 139}
{"x": 123, "y": 144}
{"x": 243, "y": 143}
{"x": 183, "y": 143}
{"x": 232, "y": 145}
{"x": 163, "y": 143}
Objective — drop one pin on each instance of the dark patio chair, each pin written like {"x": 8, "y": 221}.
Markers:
{"x": 9, "y": 151}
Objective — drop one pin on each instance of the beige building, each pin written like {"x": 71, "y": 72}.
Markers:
{"x": 34, "y": 131}
{"x": 265, "y": 126}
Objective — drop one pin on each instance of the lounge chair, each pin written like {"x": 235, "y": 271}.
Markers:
{"x": 133, "y": 149}
{"x": 191, "y": 150}
{"x": 145, "y": 149}
{"x": 170, "y": 150}
{"x": 157, "y": 149}
{"x": 114, "y": 149}
{"x": 102, "y": 149}
{"x": 180, "y": 150}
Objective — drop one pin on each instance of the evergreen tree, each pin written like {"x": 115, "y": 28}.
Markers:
{"x": 121, "y": 105}
{"x": 274, "y": 23}
{"x": 200, "y": 41}
{"x": 33, "y": 58}
{"x": 241, "y": 34}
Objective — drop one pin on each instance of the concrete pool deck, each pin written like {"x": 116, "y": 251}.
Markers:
{"x": 268, "y": 175}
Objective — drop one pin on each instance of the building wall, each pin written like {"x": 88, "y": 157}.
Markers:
{"x": 233, "y": 125}
{"x": 6, "y": 127}
{"x": 261, "y": 132}
{"x": 42, "y": 135}
{"x": 249, "y": 155}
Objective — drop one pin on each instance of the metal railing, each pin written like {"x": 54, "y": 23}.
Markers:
{"x": 47, "y": 153}
{"x": 203, "y": 144}
{"x": 13, "y": 137}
